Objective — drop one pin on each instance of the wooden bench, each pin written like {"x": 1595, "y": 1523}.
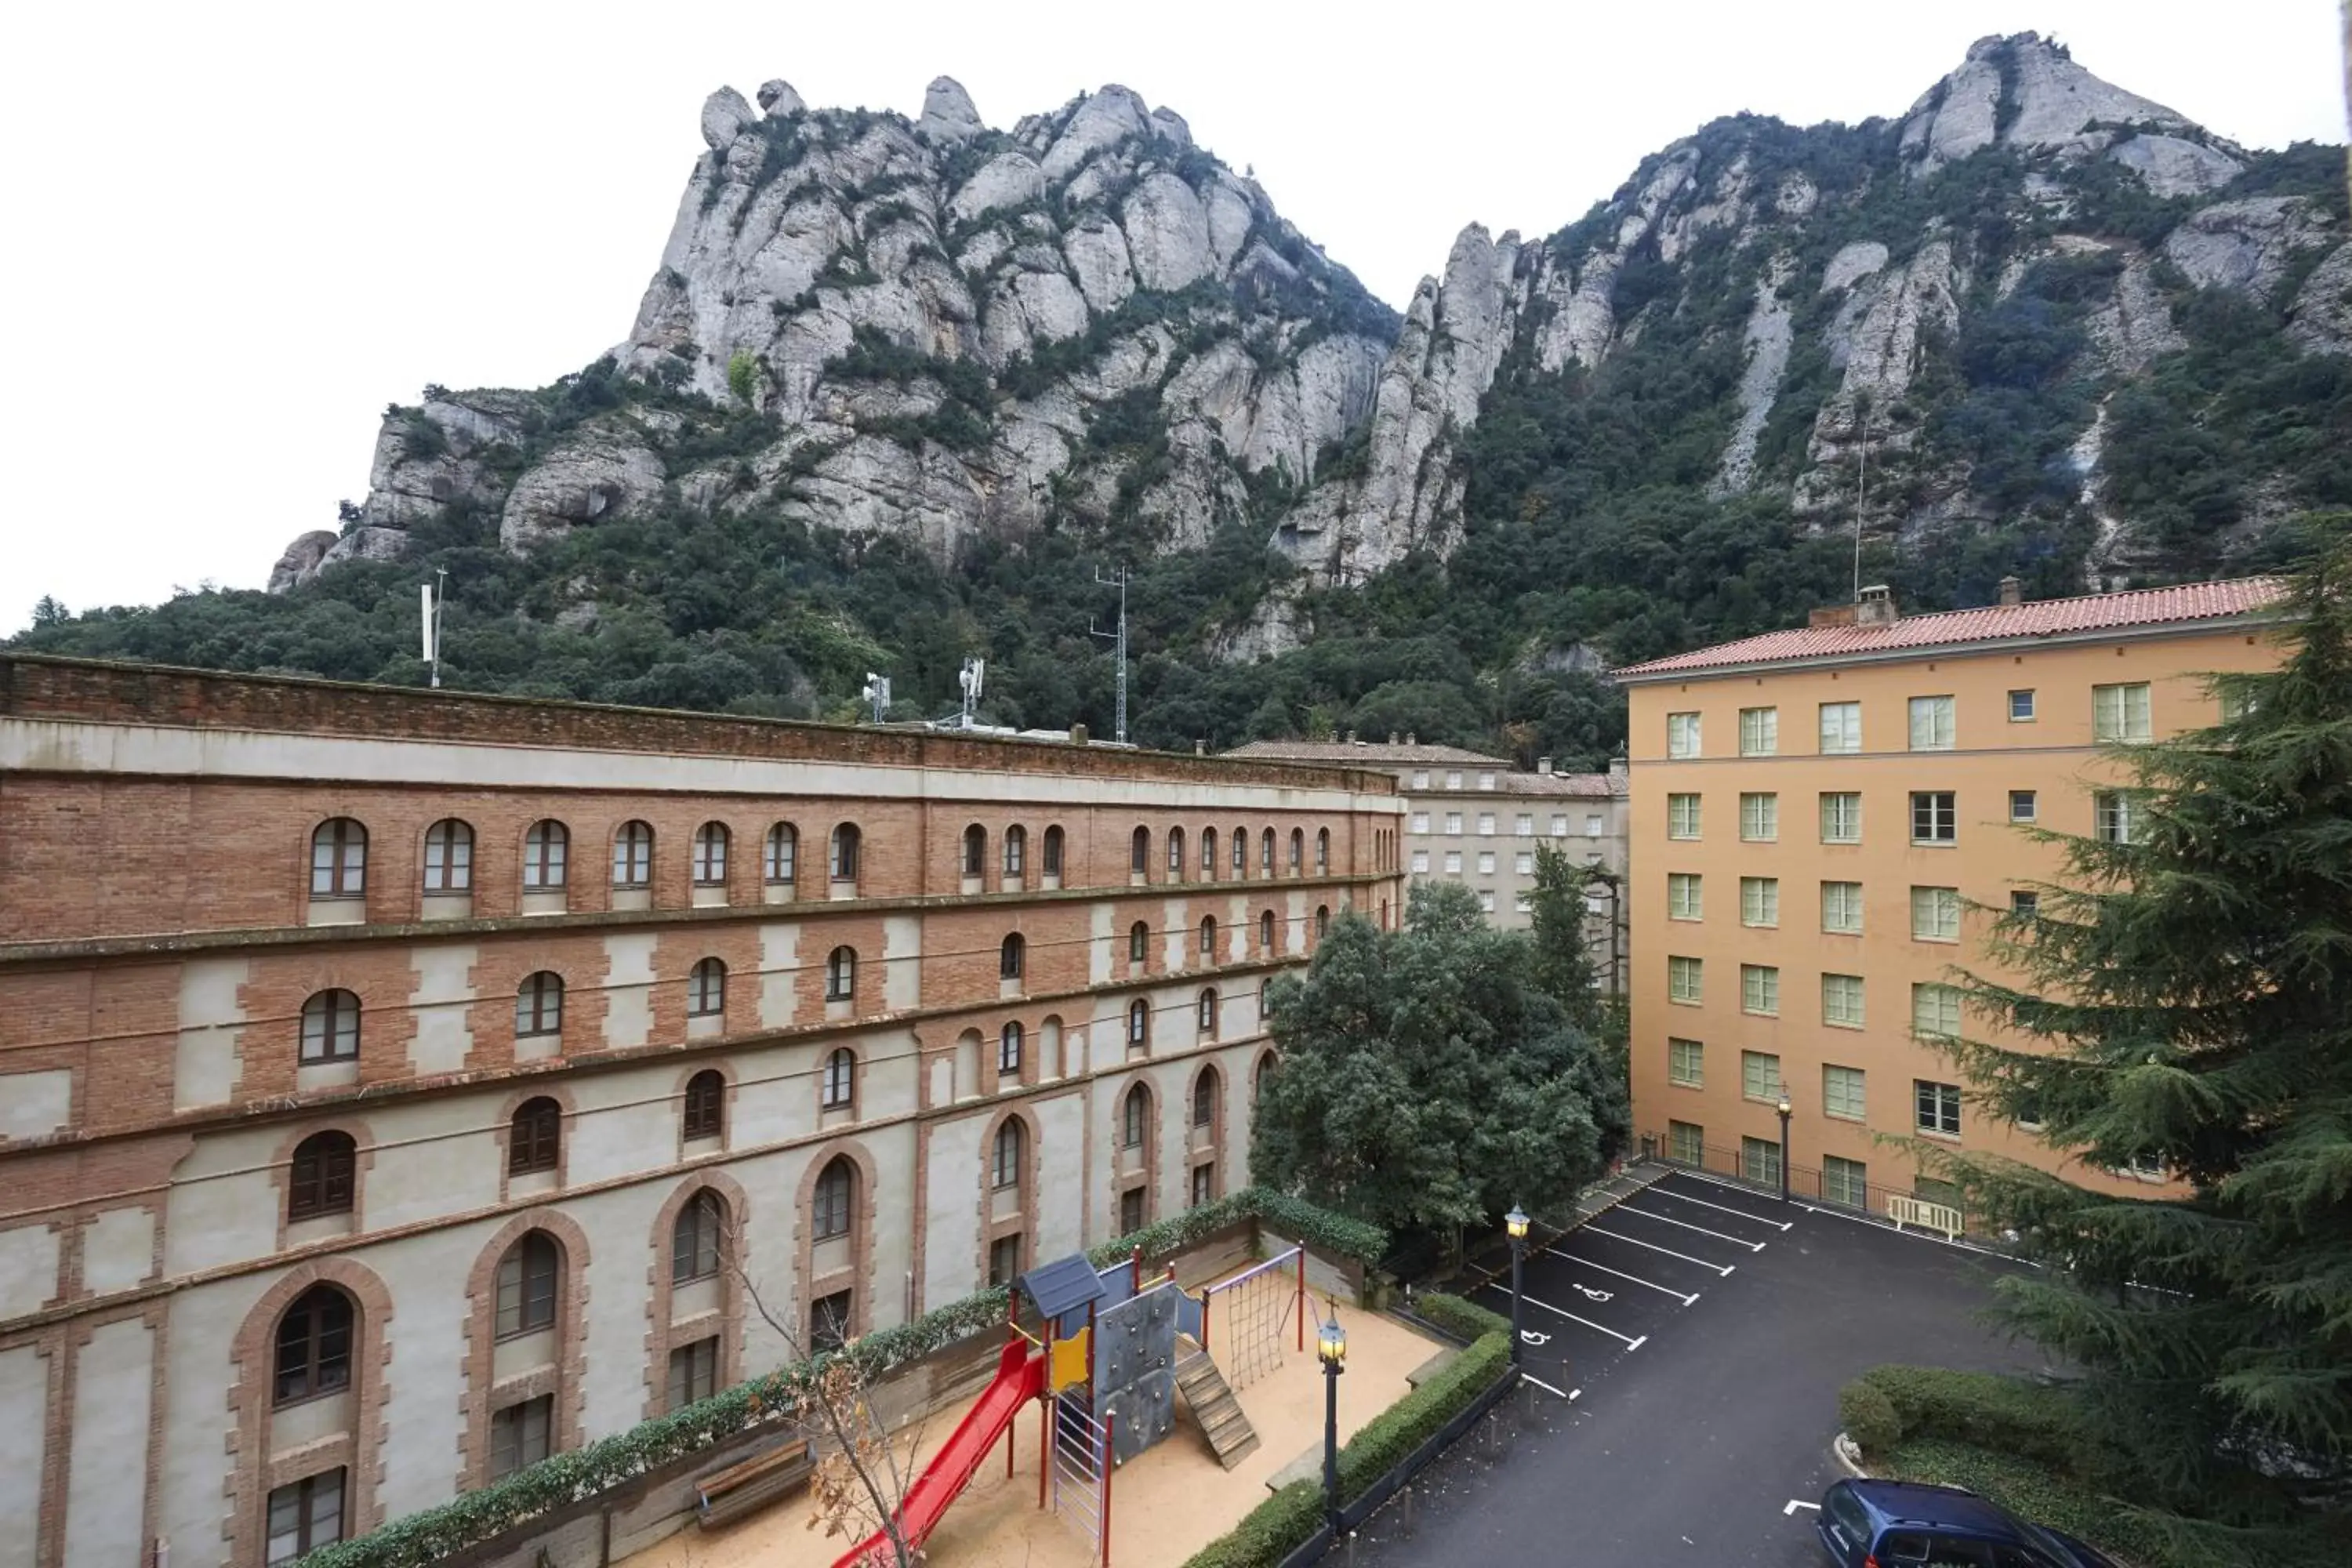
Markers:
{"x": 727, "y": 1495}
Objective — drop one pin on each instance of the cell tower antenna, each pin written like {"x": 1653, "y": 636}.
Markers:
{"x": 877, "y": 693}
{"x": 1118, "y": 638}
{"x": 974, "y": 672}
{"x": 432, "y": 602}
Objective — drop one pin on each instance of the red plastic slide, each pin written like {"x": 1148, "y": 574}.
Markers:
{"x": 1019, "y": 1377}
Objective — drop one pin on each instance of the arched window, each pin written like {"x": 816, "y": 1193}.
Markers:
{"x": 836, "y": 1189}
{"x": 780, "y": 863}
{"x": 841, "y": 974}
{"x": 539, "y": 1006}
{"x": 1265, "y": 930}
{"x": 1298, "y": 851}
{"x": 1322, "y": 921}
{"x": 1135, "y": 1117}
{"x": 1009, "y": 1042}
{"x": 840, "y": 1088}
{"x": 1204, "y": 1098}
{"x": 339, "y": 859}
{"x": 975, "y": 850}
{"x": 545, "y": 848}
{"x": 1207, "y": 1011}
{"x": 705, "y": 989}
{"x": 1012, "y": 957}
{"x": 1209, "y": 853}
{"x": 535, "y": 1140}
{"x": 632, "y": 856}
{"x": 1266, "y": 852}
{"x": 1241, "y": 851}
{"x": 527, "y": 1286}
{"x": 1053, "y": 852}
{"x": 1016, "y": 852}
{"x": 449, "y": 857}
{"x": 331, "y": 1027}
{"x": 1139, "y": 943}
{"x": 1265, "y": 1065}
{"x": 1138, "y": 1023}
{"x": 1139, "y": 852}
{"x": 705, "y": 1104}
{"x": 314, "y": 1346}
{"x": 326, "y": 1165}
{"x": 711, "y": 841}
{"x": 1265, "y": 989}
{"x": 1005, "y": 1164}
{"x": 1175, "y": 854}
{"x": 695, "y": 1239}
{"x": 1208, "y": 937}
{"x": 844, "y": 853}
{"x": 1322, "y": 850}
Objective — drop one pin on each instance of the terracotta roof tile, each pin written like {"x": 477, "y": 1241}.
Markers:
{"x": 1997, "y": 622}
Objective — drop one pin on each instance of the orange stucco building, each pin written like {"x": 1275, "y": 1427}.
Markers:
{"x": 1822, "y": 821}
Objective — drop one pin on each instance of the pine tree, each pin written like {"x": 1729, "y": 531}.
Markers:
{"x": 2186, "y": 997}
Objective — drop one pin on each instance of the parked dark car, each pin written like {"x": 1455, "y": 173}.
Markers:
{"x": 1910, "y": 1524}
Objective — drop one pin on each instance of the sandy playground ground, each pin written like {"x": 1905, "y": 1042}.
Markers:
{"x": 1166, "y": 1504}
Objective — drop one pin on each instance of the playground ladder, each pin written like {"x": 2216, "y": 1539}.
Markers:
{"x": 1231, "y": 1437}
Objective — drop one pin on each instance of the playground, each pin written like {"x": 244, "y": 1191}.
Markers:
{"x": 1113, "y": 1360}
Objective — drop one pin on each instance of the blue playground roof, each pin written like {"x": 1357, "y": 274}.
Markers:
{"x": 1057, "y": 1287}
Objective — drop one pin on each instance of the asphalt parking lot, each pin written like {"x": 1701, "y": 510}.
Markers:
{"x": 1689, "y": 1346}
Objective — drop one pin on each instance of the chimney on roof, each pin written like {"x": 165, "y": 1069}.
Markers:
{"x": 1392, "y": 735}
{"x": 1617, "y": 767}
{"x": 1543, "y": 765}
{"x": 1077, "y": 734}
{"x": 1411, "y": 739}
{"x": 1351, "y": 738}
{"x": 2013, "y": 592}
{"x": 1877, "y": 607}
{"x": 1200, "y": 747}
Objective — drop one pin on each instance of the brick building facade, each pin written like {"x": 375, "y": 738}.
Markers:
{"x": 384, "y": 1075}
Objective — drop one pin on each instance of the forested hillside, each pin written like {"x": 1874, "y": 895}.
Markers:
{"x": 901, "y": 390}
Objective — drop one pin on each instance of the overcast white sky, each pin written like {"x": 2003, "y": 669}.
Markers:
{"x": 236, "y": 231}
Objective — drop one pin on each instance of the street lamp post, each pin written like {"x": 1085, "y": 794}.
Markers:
{"x": 1331, "y": 1349}
{"x": 1784, "y": 1109}
{"x": 1516, "y": 1222}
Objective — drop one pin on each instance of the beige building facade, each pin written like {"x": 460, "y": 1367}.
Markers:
{"x": 395, "y": 1088}
{"x": 1827, "y": 819}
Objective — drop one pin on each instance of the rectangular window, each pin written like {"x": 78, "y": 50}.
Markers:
{"x": 1759, "y": 989}
{"x": 1759, "y": 732}
{"x": 830, "y": 1318}
{"x": 1453, "y": 862}
{"x": 1004, "y": 1259}
{"x": 1487, "y": 900}
{"x": 305, "y": 1515}
{"x": 1592, "y": 825}
{"x": 1559, "y": 825}
{"x": 1845, "y": 1181}
{"x": 2116, "y": 816}
{"x": 2021, "y": 707}
{"x": 1685, "y": 896}
{"x": 1931, "y": 723}
{"x": 693, "y": 1373}
{"x": 1454, "y": 780}
{"x": 1685, "y": 980}
{"x": 1523, "y": 901}
{"x": 1842, "y": 1001}
{"x": 1759, "y": 901}
{"x": 1421, "y": 781}
{"x": 1935, "y": 1012}
{"x": 1841, "y": 729}
{"x": 1486, "y": 781}
{"x": 1686, "y": 1063}
{"x": 1453, "y": 824}
{"x": 2025, "y": 903}
{"x": 1759, "y": 818}
{"x": 1485, "y": 862}
{"x": 1685, "y": 1143}
{"x": 1937, "y": 1107}
{"x": 1682, "y": 735}
{"x": 2239, "y": 700}
{"x": 1524, "y": 824}
{"x": 1760, "y": 1161}
{"x": 1935, "y": 819}
{"x": 1841, "y": 908}
{"x": 1841, "y": 818}
{"x": 1524, "y": 863}
{"x": 1841, "y": 1093}
{"x": 1682, "y": 817}
{"x": 1420, "y": 859}
{"x": 1935, "y": 914}
{"x": 1421, "y": 822}
{"x": 2021, "y": 805}
{"x": 2121, "y": 713}
{"x": 1760, "y": 1076}
{"x": 520, "y": 1435}
{"x": 1485, "y": 824}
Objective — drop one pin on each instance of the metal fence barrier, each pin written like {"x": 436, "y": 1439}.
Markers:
{"x": 1897, "y": 1205}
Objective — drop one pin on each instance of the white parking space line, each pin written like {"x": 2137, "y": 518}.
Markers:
{"x": 1629, "y": 1342}
{"x": 1546, "y": 1387}
{"x": 1668, "y": 1219}
{"x": 1686, "y": 1298}
{"x": 1723, "y": 1268}
{"x": 1919, "y": 1235}
{"x": 1665, "y": 1192}
{"x": 1790, "y": 1510}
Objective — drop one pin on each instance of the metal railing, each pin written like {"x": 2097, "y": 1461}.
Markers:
{"x": 1897, "y": 1206}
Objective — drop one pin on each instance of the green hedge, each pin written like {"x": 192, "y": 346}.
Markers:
{"x": 564, "y": 1478}
{"x": 1462, "y": 1320}
{"x": 1280, "y": 1525}
{"x": 2007, "y": 1415}
{"x": 1869, "y": 1417}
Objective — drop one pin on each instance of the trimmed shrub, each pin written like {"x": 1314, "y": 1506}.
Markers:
{"x": 1869, "y": 1417}
{"x": 1464, "y": 1320}
{"x": 1985, "y": 1410}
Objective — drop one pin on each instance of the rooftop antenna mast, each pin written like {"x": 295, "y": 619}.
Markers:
{"x": 969, "y": 678}
{"x": 432, "y": 602}
{"x": 1119, "y": 639}
{"x": 877, "y": 693}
